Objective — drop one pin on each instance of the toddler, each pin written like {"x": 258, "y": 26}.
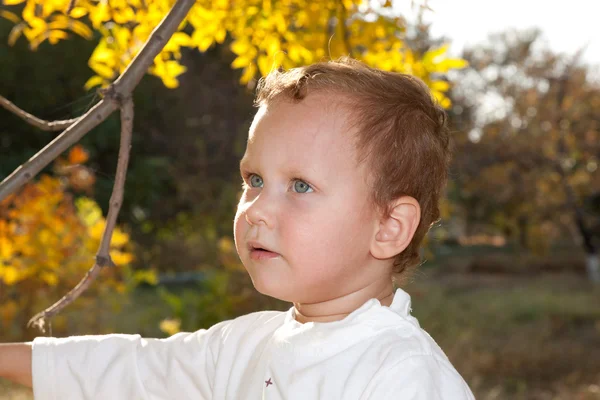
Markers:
{"x": 342, "y": 175}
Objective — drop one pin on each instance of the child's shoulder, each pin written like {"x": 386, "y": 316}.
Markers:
{"x": 401, "y": 334}
{"x": 410, "y": 361}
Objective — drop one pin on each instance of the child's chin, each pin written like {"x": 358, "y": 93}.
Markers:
{"x": 271, "y": 289}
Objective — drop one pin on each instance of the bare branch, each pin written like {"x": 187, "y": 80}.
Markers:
{"x": 345, "y": 33}
{"x": 123, "y": 87}
{"x": 71, "y": 6}
{"x": 117, "y": 95}
{"x": 69, "y": 137}
{"x": 33, "y": 120}
{"x": 116, "y": 199}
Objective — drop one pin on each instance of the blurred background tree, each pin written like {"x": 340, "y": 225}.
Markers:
{"x": 528, "y": 150}
{"x": 47, "y": 240}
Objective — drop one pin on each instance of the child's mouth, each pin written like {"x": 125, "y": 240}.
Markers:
{"x": 262, "y": 254}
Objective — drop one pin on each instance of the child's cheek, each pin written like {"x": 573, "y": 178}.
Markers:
{"x": 307, "y": 218}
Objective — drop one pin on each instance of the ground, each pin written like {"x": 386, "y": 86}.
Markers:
{"x": 533, "y": 337}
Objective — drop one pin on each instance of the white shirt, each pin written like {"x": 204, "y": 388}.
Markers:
{"x": 374, "y": 353}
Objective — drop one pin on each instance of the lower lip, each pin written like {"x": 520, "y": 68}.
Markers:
{"x": 262, "y": 255}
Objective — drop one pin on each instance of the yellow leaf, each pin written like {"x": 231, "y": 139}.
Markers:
{"x": 124, "y": 16}
{"x": 15, "y": 33}
{"x": 103, "y": 70}
{"x": 348, "y": 4}
{"x": 441, "y": 86}
{"x": 174, "y": 68}
{"x": 240, "y": 62}
{"x": 10, "y": 16}
{"x": 60, "y": 23}
{"x": 81, "y": 29}
{"x": 50, "y": 278}
{"x": 6, "y": 248}
{"x": 450, "y": 63}
{"x": 249, "y": 73}
{"x": 121, "y": 258}
{"x": 148, "y": 276}
{"x": 431, "y": 55}
{"x": 264, "y": 65}
{"x": 100, "y": 15}
{"x": 104, "y": 55}
{"x": 55, "y": 36}
{"x": 178, "y": 40}
{"x": 445, "y": 102}
{"x": 78, "y": 155}
{"x": 93, "y": 82}
{"x": 89, "y": 213}
{"x": 122, "y": 37}
{"x": 96, "y": 230}
{"x": 220, "y": 35}
{"x": 12, "y": 2}
{"x": 170, "y": 82}
{"x": 78, "y": 12}
{"x": 240, "y": 46}
{"x": 119, "y": 238}
{"x": 205, "y": 43}
{"x": 271, "y": 45}
{"x": 170, "y": 326}
{"x": 441, "y": 99}
{"x": 9, "y": 275}
{"x": 226, "y": 245}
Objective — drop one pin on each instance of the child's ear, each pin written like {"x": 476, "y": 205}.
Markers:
{"x": 396, "y": 231}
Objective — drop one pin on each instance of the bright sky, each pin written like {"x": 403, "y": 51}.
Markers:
{"x": 566, "y": 25}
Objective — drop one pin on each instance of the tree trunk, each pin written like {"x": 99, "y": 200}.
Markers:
{"x": 592, "y": 265}
{"x": 592, "y": 261}
{"x": 523, "y": 222}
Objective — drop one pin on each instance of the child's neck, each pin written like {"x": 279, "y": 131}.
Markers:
{"x": 338, "y": 308}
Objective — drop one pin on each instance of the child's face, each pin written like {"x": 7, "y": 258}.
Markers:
{"x": 306, "y": 200}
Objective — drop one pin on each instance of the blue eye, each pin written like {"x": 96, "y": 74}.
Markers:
{"x": 255, "y": 181}
{"x": 301, "y": 186}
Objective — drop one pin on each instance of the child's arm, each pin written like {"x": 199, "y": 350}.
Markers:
{"x": 124, "y": 367}
{"x": 15, "y": 362}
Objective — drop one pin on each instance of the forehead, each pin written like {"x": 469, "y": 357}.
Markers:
{"x": 314, "y": 131}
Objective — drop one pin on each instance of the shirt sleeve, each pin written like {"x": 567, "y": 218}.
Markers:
{"x": 126, "y": 366}
{"x": 421, "y": 377}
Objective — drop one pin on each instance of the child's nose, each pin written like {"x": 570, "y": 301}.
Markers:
{"x": 260, "y": 212}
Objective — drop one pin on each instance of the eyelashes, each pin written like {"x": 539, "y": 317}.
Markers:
{"x": 298, "y": 185}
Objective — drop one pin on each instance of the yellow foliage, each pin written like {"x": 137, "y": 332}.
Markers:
{"x": 146, "y": 275}
{"x": 78, "y": 155}
{"x": 264, "y": 35}
{"x": 170, "y": 326}
{"x": 47, "y": 244}
{"x": 10, "y": 16}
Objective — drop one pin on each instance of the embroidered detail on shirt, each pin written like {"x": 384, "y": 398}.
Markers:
{"x": 269, "y": 382}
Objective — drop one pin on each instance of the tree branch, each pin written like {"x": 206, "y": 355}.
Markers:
{"x": 116, "y": 199}
{"x": 71, "y": 6}
{"x": 116, "y": 95}
{"x": 123, "y": 87}
{"x": 67, "y": 138}
{"x": 33, "y": 120}
{"x": 345, "y": 32}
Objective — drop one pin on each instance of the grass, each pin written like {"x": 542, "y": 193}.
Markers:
{"x": 511, "y": 336}
{"x": 9, "y": 391}
{"x": 515, "y": 337}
